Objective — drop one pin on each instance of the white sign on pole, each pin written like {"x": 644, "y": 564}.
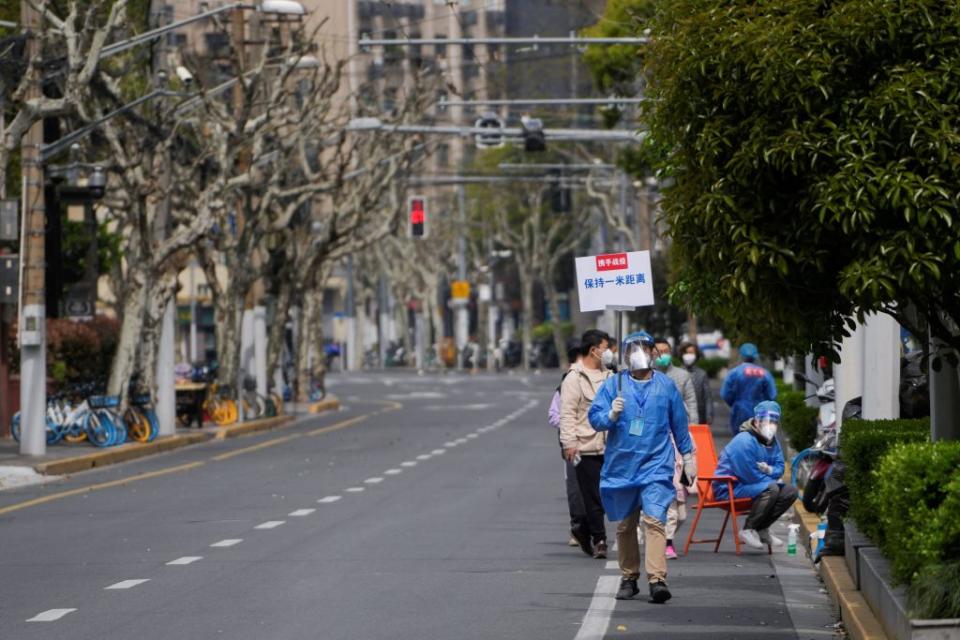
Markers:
{"x": 615, "y": 280}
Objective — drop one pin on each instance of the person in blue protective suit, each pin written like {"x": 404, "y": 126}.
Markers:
{"x": 745, "y": 386}
{"x": 643, "y": 414}
{"x": 755, "y": 458}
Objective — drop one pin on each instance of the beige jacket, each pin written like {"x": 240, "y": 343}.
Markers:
{"x": 576, "y": 395}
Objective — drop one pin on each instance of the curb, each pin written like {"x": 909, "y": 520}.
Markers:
{"x": 253, "y": 426}
{"x": 857, "y": 616}
{"x": 327, "y": 404}
{"x": 122, "y": 453}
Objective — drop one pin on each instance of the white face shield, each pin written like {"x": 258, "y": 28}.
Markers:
{"x": 639, "y": 355}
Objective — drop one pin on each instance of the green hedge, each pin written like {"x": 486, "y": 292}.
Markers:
{"x": 799, "y": 422}
{"x": 712, "y": 365}
{"x": 862, "y": 444}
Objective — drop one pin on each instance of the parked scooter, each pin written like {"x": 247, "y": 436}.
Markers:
{"x": 810, "y": 467}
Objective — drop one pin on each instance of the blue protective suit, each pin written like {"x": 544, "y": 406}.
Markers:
{"x": 639, "y": 460}
{"x": 745, "y": 387}
{"x": 739, "y": 458}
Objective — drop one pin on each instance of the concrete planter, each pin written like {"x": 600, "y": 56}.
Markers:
{"x": 889, "y": 603}
{"x": 853, "y": 541}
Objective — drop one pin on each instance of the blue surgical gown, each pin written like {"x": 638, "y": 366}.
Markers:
{"x": 639, "y": 461}
{"x": 739, "y": 458}
{"x": 745, "y": 387}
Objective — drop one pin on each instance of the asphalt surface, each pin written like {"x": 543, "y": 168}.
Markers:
{"x": 430, "y": 507}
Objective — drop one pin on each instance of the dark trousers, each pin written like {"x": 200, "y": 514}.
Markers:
{"x": 770, "y": 505}
{"x": 578, "y": 515}
{"x": 588, "y": 478}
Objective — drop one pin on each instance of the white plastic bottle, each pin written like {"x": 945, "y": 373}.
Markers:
{"x": 792, "y": 539}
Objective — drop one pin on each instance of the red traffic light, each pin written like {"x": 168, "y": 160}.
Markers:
{"x": 417, "y": 206}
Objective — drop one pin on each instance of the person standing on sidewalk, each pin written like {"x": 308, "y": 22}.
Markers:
{"x": 745, "y": 386}
{"x": 643, "y": 415}
{"x": 680, "y": 377}
{"x": 690, "y": 353}
{"x": 754, "y": 456}
{"x": 582, "y": 445}
{"x": 578, "y": 515}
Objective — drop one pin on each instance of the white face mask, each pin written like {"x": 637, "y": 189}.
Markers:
{"x": 607, "y": 358}
{"x": 639, "y": 360}
{"x": 689, "y": 359}
{"x": 768, "y": 431}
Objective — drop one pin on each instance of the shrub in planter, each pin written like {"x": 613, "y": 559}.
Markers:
{"x": 862, "y": 444}
{"x": 935, "y": 592}
{"x": 712, "y": 365}
{"x": 798, "y": 422}
{"x": 917, "y": 498}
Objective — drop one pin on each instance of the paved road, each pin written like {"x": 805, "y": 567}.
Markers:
{"x": 431, "y": 507}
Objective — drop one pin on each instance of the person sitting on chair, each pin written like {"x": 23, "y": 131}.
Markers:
{"x": 755, "y": 458}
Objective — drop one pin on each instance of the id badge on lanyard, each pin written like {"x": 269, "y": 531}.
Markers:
{"x": 636, "y": 425}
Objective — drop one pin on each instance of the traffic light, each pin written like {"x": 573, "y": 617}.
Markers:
{"x": 489, "y": 120}
{"x": 533, "y": 136}
{"x": 417, "y": 213}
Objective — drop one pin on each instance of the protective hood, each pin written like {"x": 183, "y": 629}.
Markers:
{"x": 753, "y": 428}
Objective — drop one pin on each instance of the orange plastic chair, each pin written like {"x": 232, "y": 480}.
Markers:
{"x": 706, "y": 468}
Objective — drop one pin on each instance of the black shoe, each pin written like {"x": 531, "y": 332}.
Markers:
{"x": 600, "y": 551}
{"x": 659, "y": 592}
{"x": 583, "y": 537}
{"x": 628, "y": 589}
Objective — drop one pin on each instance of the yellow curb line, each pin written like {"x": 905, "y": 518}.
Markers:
{"x": 98, "y": 487}
{"x": 122, "y": 453}
{"x": 327, "y": 404}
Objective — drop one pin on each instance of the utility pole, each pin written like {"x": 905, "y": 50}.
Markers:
{"x": 32, "y": 326}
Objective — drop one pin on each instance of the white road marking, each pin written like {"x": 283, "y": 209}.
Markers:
{"x": 471, "y": 436}
{"x": 377, "y": 480}
{"x": 393, "y": 472}
{"x": 127, "y": 584}
{"x": 438, "y": 452}
{"x": 461, "y": 441}
{"x": 50, "y": 615}
{"x": 328, "y": 499}
{"x": 301, "y": 512}
{"x": 229, "y": 542}
{"x": 270, "y": 524}
{"x": 425, "y": 456}
{"x": 449, "y": 444}
{"x": 184, "y": 560}
{"x": 612, "y": 564}
{"x": 355, "y": 489}
{"x": 597, "y": 618}
{"x": 408, "y": 463}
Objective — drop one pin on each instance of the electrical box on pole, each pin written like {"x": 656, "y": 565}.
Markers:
{"x": 417, "y": 217}
{"x": 534, "y": 139}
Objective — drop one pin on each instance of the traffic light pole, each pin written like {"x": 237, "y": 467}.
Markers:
{"x": 462, "y": 317}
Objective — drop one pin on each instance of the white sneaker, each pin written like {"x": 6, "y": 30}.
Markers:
{"x": 768, "y": 538}
{"x": 750, "y": 538}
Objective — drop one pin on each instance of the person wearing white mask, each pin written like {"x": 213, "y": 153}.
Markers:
{"x": 755, "y": 458}
{"x": 643, "y": 415}
{"x": 690, "y": 353}
{"x": 582, "y": 444}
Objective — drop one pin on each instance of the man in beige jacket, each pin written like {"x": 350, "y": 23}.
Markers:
{"x": 582, "y": 445}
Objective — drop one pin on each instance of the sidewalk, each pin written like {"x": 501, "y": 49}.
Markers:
{"x": 63, "y": 457}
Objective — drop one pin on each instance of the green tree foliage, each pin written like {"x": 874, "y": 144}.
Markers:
{"x": 813, "y": 150}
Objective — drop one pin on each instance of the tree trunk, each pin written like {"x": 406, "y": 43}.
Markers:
{"x": 131, "y": 329}
{"x": 558, "y": 339}
{"x": 229, "y": 317}
{"x": 312, "y": 307}
{"x": 275, "y": 337}
{"x": 526, "y": 294}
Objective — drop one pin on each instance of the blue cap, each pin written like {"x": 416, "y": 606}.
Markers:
{"x": 639, "y": 336}
{"x": 748, "y": 351}
{"x": 767, "y": 408}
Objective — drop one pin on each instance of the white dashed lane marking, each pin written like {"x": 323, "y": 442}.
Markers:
{"x": 393, "y": 472}
{"x": 373, "y": 480}
{"x": 449, "y": 445}
{"x": 229, "y": 542}
{"x": 355, "y": 489}
{"x": 270, "y": 524}
{"x": 301, "y": 512}
{"x": 408, "y": 463}
{"x": 471, "y": 436}
{"x": 437, "y": 452}
{"x": 328, "y": 499}
{"x": 424, "y": 456}
{"x": 127, "y": 584}
{"x": 184, "y": 560}
{"x": 50, "y": 615}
